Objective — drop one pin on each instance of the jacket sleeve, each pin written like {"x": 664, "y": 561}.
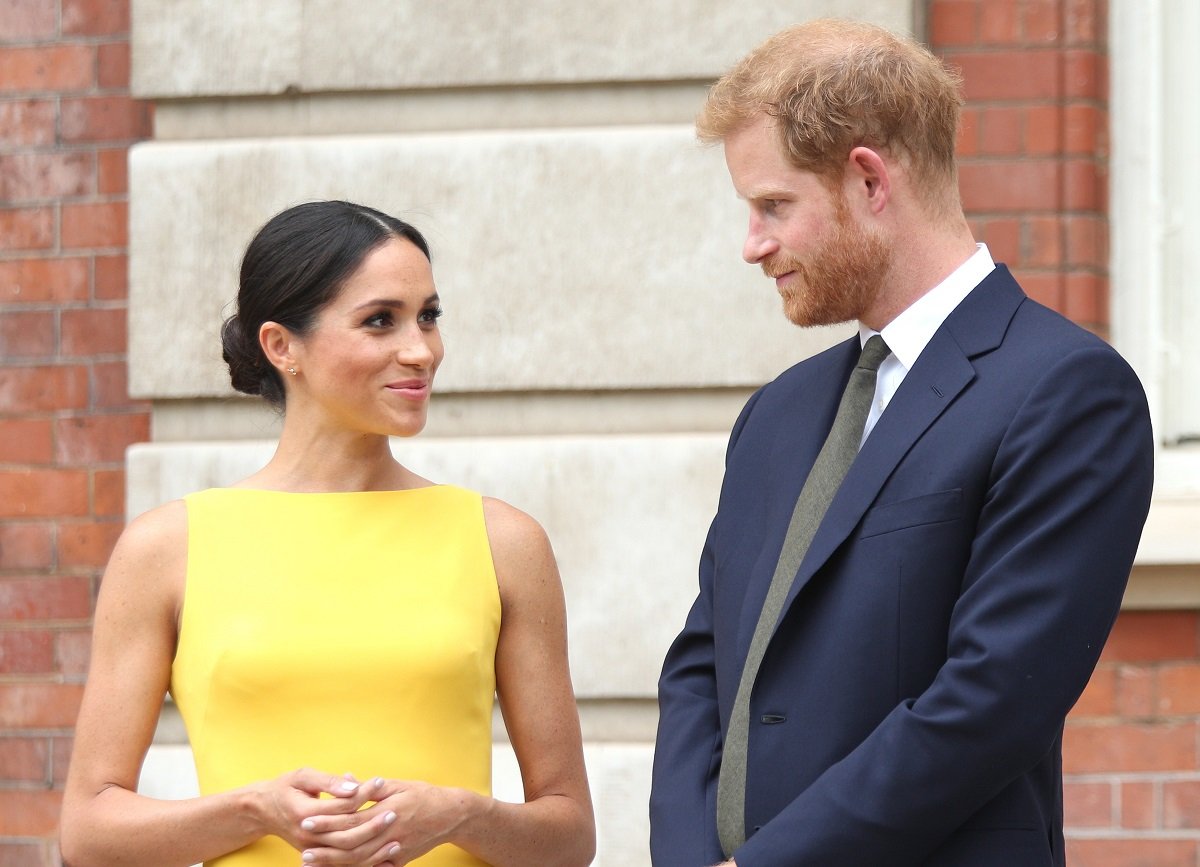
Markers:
{"x": 687, "y": 752}
{"x": 1067, "y": 497}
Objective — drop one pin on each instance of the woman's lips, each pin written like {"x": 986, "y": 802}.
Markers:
{"x": 410, "y": 388}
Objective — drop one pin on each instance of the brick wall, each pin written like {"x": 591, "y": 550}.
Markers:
{"x": 1034, "y": 156}
{"x": 66, "y": 123}
{"x": 1033, "y": 145}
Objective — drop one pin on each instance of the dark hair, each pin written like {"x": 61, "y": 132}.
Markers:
{"x": 294, "y": 266}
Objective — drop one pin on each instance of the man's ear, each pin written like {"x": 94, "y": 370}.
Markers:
{"x": 867, "y": 179}
{"x": 278, "y": 345}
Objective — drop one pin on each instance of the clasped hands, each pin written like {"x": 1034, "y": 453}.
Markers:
{"x": 404, "y": 819}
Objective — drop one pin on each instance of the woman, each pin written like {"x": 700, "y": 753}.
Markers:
{"x": 334, "y": 610}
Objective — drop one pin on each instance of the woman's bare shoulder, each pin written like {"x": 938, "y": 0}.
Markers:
{"x": 151, "y": 553}
{"x": 521, "y": 549}
{"x": 510, "y": 528}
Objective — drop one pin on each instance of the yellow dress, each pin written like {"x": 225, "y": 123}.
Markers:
{"x": 347, "y": 632}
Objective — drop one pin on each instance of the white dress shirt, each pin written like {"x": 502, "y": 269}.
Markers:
{"x": 908, "y": 334}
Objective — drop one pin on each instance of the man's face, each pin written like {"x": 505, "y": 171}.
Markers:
{"x": 827, "y": 266}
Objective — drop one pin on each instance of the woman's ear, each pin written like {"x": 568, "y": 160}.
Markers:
{"x": 278, "y": 345}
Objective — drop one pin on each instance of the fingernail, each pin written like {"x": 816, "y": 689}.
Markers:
{"x": 349, "y": 786}
{"x": 389, "y": 818}
{"x": 395, "y": 850}
{"x": 308, "y": 858}
{"x": 308, "y": 824}
{"x": 378, "y": 781}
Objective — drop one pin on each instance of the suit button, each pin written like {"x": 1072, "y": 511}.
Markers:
{"x": 770, "y": 719}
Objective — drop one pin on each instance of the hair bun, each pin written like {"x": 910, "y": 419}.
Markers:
{"x": 248, "y": 371}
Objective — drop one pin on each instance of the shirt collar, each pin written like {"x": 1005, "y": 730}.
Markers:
{"x": 908, "y": 334}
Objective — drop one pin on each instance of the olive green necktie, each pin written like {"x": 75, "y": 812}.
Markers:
{"x": 822, "y": 483}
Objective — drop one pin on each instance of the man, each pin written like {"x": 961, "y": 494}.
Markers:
{"x": 877, "y": 670}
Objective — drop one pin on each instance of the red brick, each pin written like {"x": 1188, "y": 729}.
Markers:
{"x": 29, "y": 813}
{"x": 43, "y": 389}
{"x": 999, "y": 22}
{"x": 47, "y": 68}
{"x": 1083, "y": 187}
{"x": 93, "y": 332}
{"x": 30, "y": 177}
{"x": 37, "y": 281}
{"x": 27, "y": 122}
{"x": 952, "y": 22}
{"x": 24, "y": 759}
{"x": 43, "y": 493}
{"x": 1085, "y": 23}
{"x": 38, "y": 705}
{"x": 1082, "y": 75}
{"x": 26, "y": 546}
{"x": 1041, "y": 245}
{"x": 27, "y": 335}
{"x": 108, "y": 493}
{"x": 110, "y": 388}
{"x": 94, "y": 17}
{"x": 26, "y": 651}
{"x": 1099, "y": 698}
{"x": 1084, "y": 130}
{"x": 99, "y": 224}
{"x": 100, "y": 439}
{"x": 1002, "y": 131}
{"x": 60, "y": 758}
{"x": 1044, "y": 288}
{"x": 1179, "y": 689}
{"x": 1139, "y": 807}
{"x": 26, "y": 228}
{"x": 1040, "y": 21}
{"x": 26, "y": 440}
{"x": 1087, "y": 241}
{"x": 112, "y": 63}
{"x": 112, "y": 282}
{"x": 74, "y": 651}
{"x": 1043, "y": 130}
{"x": 43, "y": 854}
{"x": 1009, "y": 75}
{"x": 1085, "y": 298}
{"x": 112, "y": 171}
{"x": 1003, "y": 238}
{"x": 1117, "y": 852}
{"x": 1135, "y": 692}
{"x": 27, "y": 21}
{"x": 104, "y": 118}
{"x": 88, "y": 544}
{"x": 1144, "y": 636}
{"x": 1090, "y": 748}
{"x": 1181, "y": 803}
{"x": 1009, "y": 186}
{"x": 29, "y": 599}
{"x": 1088, "y": 805}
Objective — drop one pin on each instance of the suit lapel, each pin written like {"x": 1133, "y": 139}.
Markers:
{"x": 940, "y": 374}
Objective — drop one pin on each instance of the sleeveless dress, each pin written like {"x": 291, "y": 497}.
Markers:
{"x": 347, "y": 632}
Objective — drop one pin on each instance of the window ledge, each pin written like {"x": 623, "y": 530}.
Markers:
{"x": 1166, "y": 571}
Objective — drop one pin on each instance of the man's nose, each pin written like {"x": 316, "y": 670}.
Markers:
{"x": 759, "y": 244}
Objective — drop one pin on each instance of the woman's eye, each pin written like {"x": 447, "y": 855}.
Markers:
{"x": 433, "y": 314}
{"x": 379, "y": 320}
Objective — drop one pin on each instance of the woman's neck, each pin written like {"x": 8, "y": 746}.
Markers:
{"x": 314, "y": 461}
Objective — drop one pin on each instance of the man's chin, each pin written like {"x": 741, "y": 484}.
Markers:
{"x": 805, "y": 317}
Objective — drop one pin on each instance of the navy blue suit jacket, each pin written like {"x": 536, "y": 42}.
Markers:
{"x": 950, "y": 610}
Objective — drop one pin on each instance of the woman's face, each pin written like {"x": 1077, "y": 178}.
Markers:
{"x": 369, "y": 360}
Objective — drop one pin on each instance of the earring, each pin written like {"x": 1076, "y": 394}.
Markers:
{"x": 292, "y": 371}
